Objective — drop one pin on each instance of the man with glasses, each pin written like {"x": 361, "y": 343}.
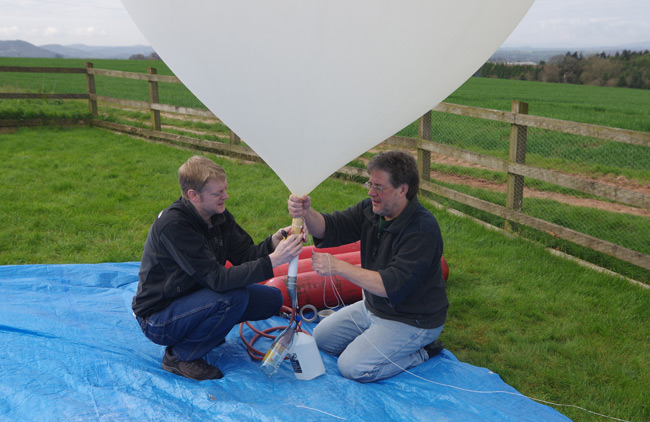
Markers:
{"x": 397, "y": 324}
{"x": 187, "y": 299}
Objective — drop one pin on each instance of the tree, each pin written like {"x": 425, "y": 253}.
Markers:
{"x": 570, "y": 69}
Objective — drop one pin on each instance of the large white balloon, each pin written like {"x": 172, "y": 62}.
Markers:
{"x": 312, "y": 84}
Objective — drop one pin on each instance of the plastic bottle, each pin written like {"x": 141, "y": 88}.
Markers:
{"x": 279, "y": 349}
{"x": 305, "y": 358}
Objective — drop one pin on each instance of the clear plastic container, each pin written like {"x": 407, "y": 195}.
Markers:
{"x": 305, "y": 357}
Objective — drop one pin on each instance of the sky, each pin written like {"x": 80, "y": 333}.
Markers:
{"x": 549, "y": 23}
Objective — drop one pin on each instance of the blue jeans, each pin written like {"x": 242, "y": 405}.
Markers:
{"x": 371, "y": 348}
{"x": 195, "y": 324}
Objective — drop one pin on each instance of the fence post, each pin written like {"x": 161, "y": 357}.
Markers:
{"x": 516, "y": 154}
{"x": 424, "y": 156}
{"x": 234, "y": 138}
{"x": 153, "y": 99}
{"x": 90, "y": 88}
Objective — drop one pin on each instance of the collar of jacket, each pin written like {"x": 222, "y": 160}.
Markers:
{"x": 401, "y": 219}
{"x": 217, "y": 219}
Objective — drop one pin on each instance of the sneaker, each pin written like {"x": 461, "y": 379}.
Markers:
{"x": 194, "y": 369}
{"x": 434, "y": 348}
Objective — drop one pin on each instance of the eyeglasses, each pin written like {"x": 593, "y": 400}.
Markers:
{"x": 378, "y": 188}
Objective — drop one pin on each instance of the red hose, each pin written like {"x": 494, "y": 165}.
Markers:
{"x": 253, "y": 352}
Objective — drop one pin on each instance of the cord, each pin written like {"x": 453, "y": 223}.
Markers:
{"x": 339, "y": 299}
{"x": 460, "y": 388}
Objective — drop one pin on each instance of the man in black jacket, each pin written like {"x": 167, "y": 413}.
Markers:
{"x": 187, "y": 299}
{"x": 404, "y": 309}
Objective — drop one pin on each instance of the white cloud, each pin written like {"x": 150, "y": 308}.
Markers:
{"x": 552, "y": 23}
{"x": 583, "y": 23}
{"x": 90, "y": 30}
{"x": 8, "y": 31}
{"x": 50, "y": 31}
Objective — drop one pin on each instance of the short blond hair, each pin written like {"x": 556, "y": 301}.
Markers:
{"x": 196, "y": 172}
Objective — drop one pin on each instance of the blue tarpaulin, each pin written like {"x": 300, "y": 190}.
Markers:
{"x": 71, "y": 350}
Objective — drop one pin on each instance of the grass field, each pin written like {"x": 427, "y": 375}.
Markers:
{"x": 614, "y": 107}
{"x": 552, "y": 329}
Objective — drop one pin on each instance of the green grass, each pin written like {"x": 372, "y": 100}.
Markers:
{"x": 78, "y": 210}
{"x": 550, "y": 328}
{"x": 605, "y": 106}
{"x": 170, "y": 93}
{"x": 627, "y": 230}
{"x": 542, "y": 321}
{"x": 614, "y": 107}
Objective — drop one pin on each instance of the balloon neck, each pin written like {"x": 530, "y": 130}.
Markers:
{"x": 296, "y": 225}
{"x": 292, "y": 271}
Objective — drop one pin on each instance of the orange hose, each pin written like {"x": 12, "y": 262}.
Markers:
{"x": 253, "y": 352}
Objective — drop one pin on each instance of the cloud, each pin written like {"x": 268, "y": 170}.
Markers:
{"x": 583, "y": 23}
{"x": 50, "y": 31}
{"x": 8, "y": 31}
{"x": 89, "y": 30}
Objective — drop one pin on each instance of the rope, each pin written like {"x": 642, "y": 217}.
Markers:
{"x": 465, "y": 389}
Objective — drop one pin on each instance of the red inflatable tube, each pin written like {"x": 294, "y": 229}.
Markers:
{"x": 316, "y": 290}
{"x": 307, "y": 251}
{"x": 304, "y": 265}
{"x": 445, "y": 268}
{"x": 310, "y": 285}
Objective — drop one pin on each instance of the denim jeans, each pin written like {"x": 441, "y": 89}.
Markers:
{"x": 371, "y": 348}
{"x": 195, "y": 324}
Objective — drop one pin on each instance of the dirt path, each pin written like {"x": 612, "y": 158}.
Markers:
{"x": 619, "y": 181}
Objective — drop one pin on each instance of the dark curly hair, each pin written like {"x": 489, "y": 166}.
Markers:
{"x": 401, "y": 167}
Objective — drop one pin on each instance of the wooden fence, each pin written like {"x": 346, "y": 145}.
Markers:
{"x": 514, "y": 166}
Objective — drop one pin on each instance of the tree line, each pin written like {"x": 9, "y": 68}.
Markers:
{"x": 629, "y": 69}
{"x": 152, "y": 56}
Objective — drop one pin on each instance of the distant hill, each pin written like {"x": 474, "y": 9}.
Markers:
{"x": 19, "y": 48}
{"x": 81, "y": 51}
{"x": 536, "y": 54}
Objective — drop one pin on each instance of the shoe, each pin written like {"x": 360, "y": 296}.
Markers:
{"x": 434, "y": 348}
{"x": 194, "y": 369}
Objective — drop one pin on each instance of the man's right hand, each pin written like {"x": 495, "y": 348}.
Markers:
{"x": 301, "y": 207}
{"x": 286, "y": 250}
{"x": 298, "y": 206}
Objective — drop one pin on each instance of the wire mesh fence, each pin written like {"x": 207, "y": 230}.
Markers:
{"x": 622, "y": 165}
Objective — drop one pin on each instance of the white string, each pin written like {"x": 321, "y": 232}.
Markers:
{"x": 337, "y": 295}
{"x": 460, "y": 388}
{"x": 321, "y": 411}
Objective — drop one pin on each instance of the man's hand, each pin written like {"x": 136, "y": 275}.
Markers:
{"x": 298, "y": 206}
{"x": 280, "y": 235}
{"x": 314, "y": 221}
{"x": 286, "y": 250}
{"x": 322, "y": 263}
{"x": 327, "y": 265}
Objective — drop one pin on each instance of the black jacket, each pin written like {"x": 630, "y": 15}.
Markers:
{"x": 407, "y": 256}
{"x": 182, "y": 255}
